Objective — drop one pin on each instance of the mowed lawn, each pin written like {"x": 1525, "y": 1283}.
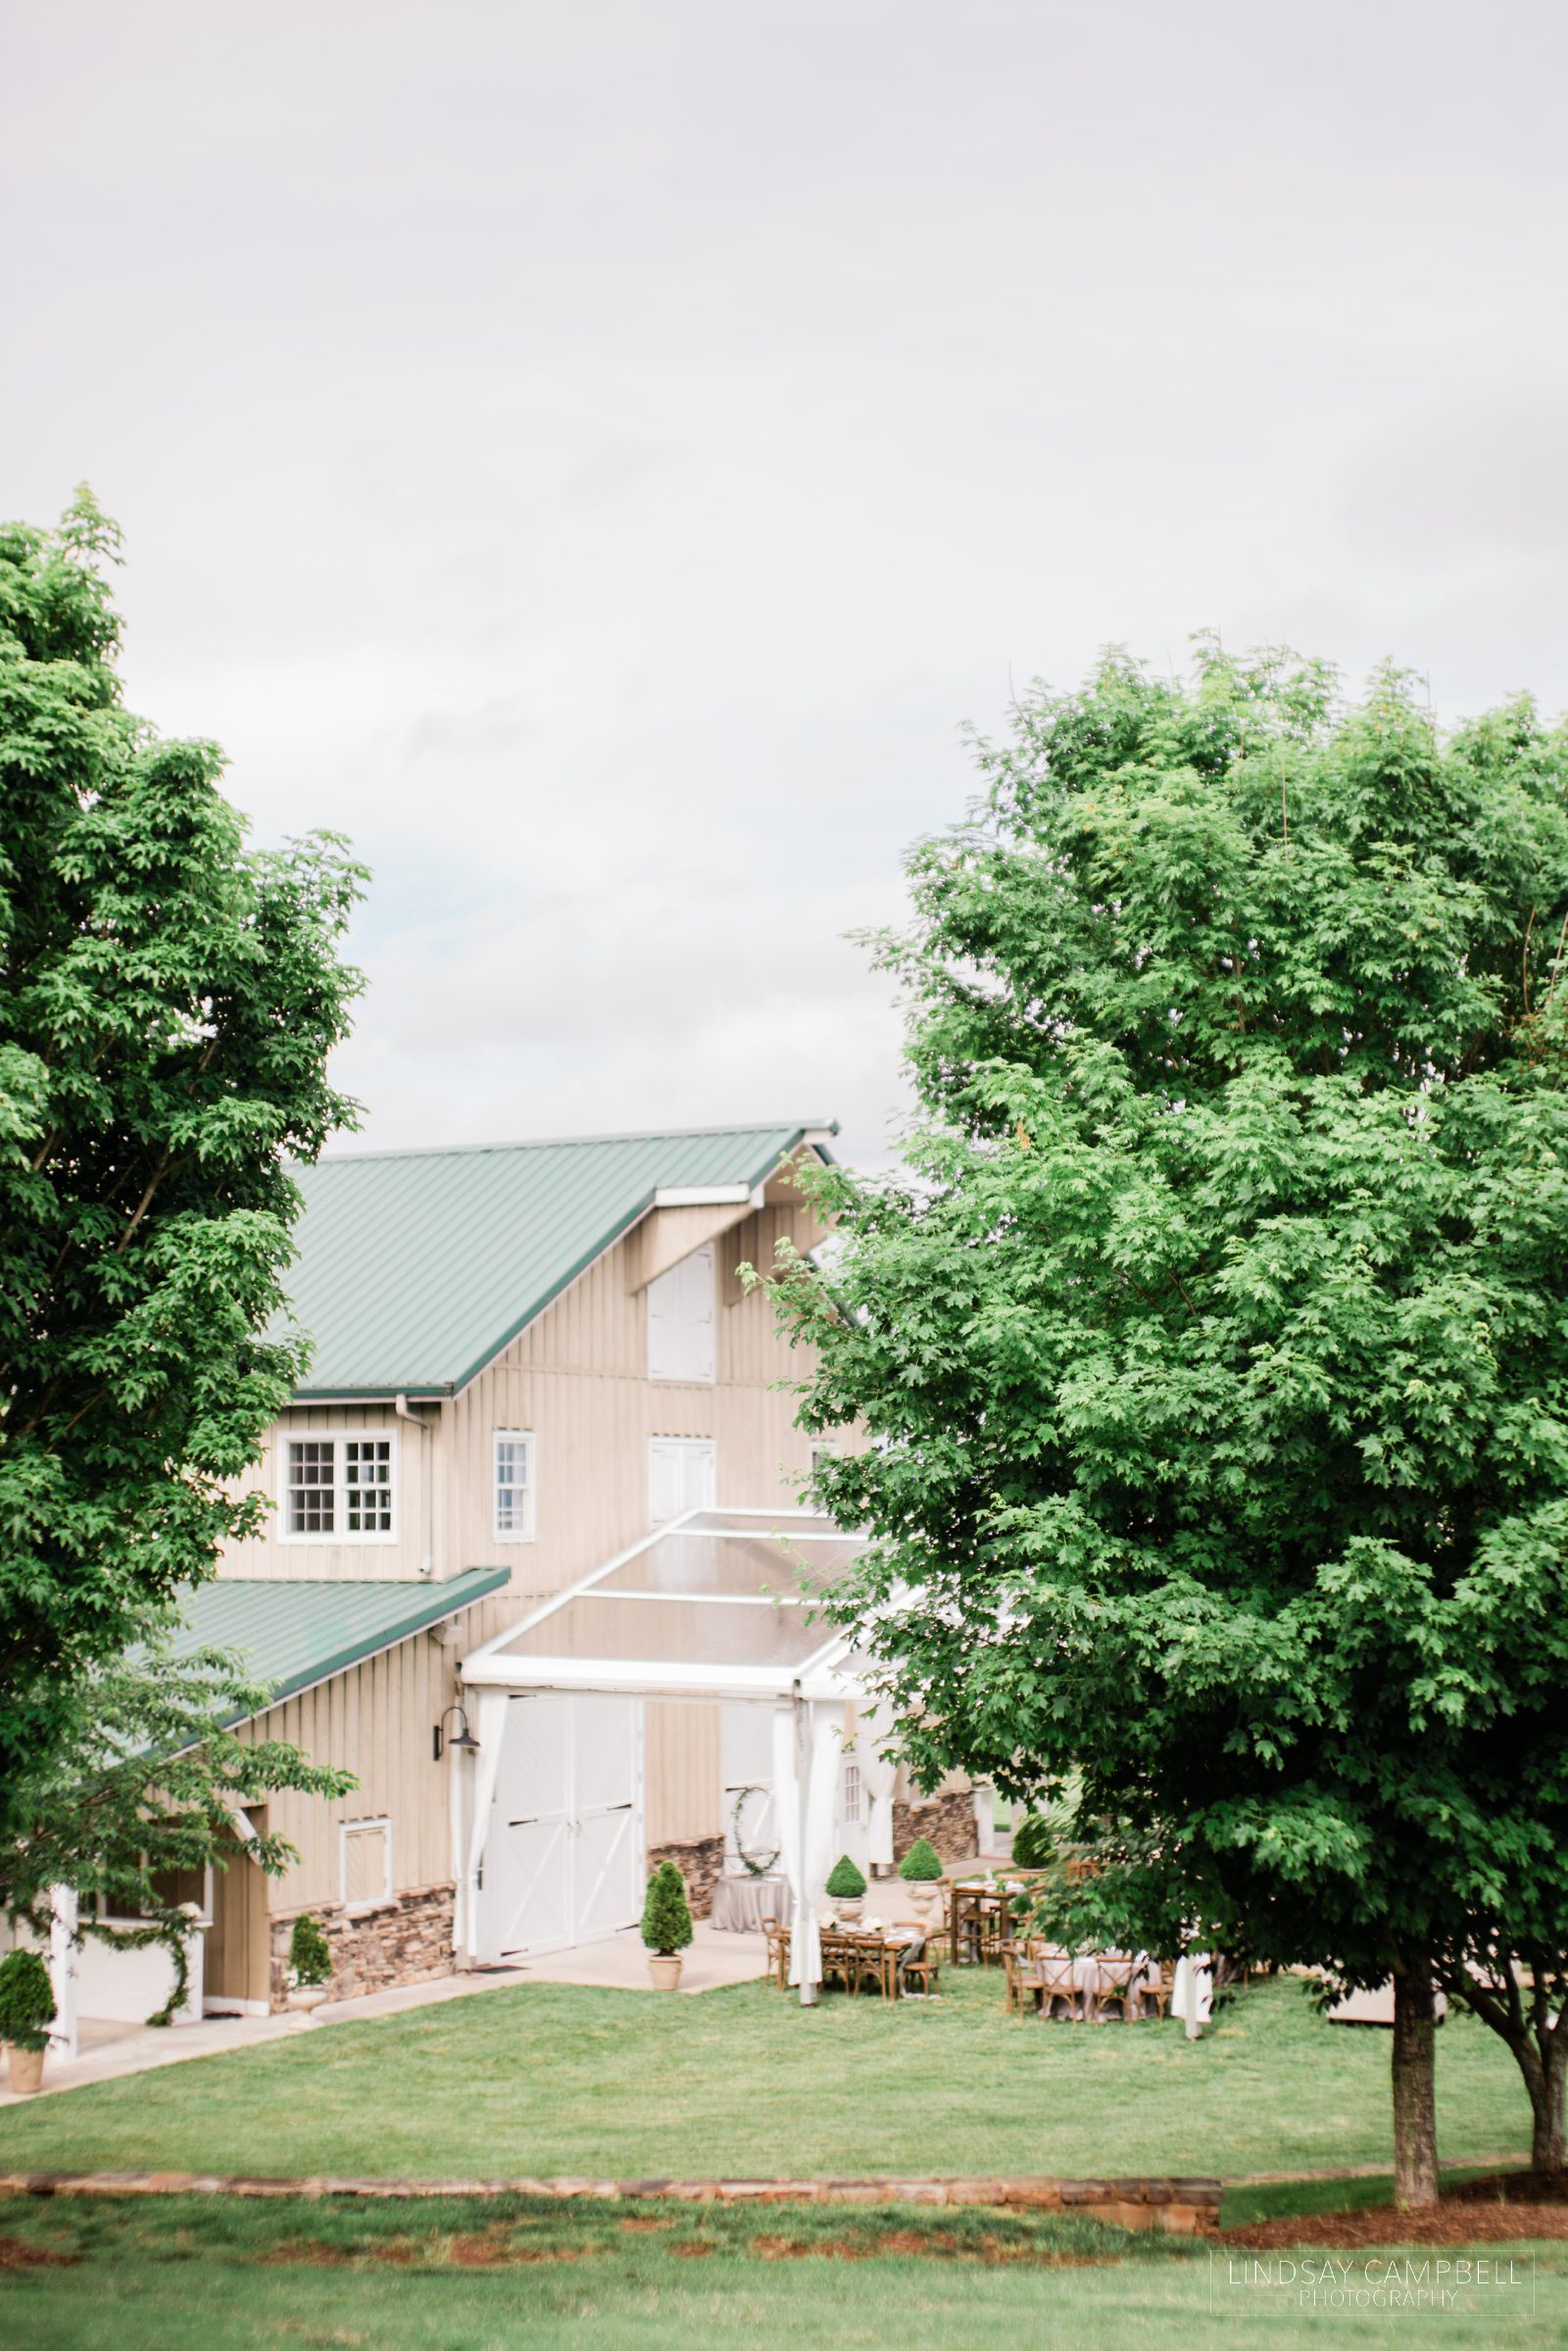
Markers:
{"x": 183, "y": 2274}
{"x": 553, "y": 2080}
{"x": 558, "y": 2078}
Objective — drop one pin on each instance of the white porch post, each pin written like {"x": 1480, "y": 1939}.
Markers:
{"x": 63, "y": 1967}
{"x": 490, "y": 1730}
{"x": 805, "y": 1944}
{"x": 879, "y": 1775}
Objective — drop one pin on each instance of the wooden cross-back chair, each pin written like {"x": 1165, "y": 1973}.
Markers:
{"x": 1025, "y": 1983}
{"x": 1056, "y": 1970}
{"x": 921, "y": 1965}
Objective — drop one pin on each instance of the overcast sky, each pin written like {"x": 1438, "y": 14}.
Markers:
{"x": 596, "y": 454}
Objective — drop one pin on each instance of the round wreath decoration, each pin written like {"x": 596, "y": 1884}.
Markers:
{"x": 756, "y": 1865}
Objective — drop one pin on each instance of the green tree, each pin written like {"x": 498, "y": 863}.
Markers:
{"x": 168, "y": 1002}
{"x": 666, "y": 1920}
{"x": 137, "y": 1796}
{"x": 1216, "y": 1340}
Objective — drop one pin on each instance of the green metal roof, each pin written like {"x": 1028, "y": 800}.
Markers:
{"x": 292, "y": 1634}
{"x": 414, "y": 1268}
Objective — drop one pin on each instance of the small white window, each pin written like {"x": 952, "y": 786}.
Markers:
{"x": 312, "y": 1486}
{"x": 852, "y": 1795}
{"x": 514, "y": 1485}
{"x": 680, "y": 1320}
{"x": 368, "y": 1484}
{"x": 339, "y": 1489}
{"x": 366, "y": 1849}
{"x": 682, "y": 1476}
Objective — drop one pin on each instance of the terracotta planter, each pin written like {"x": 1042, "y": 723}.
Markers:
{"x": 664, "y": 1969}
{"x": 27, "y": 2071}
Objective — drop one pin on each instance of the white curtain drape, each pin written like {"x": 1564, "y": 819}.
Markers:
{"x": 1193, "y": 1993}
{"x": 823, "y": 1740}
{"x": 822, "y": 1798}
{"x": 879, "y": 1776}
{"x": 490, "y": 1730}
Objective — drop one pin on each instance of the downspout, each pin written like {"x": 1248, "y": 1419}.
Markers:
{"x": 426, "y": 1429}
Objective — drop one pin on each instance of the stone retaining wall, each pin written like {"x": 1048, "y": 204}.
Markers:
{"x": 701, "y": 1865}
{"x": 945, "y": 1822}
{"x": 1177, "y": 2207}
{"x": 407, "y": 1939}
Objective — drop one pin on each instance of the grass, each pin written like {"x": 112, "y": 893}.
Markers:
{"x": 1282, "y": 2199}
{"x": 553, "y": 2079}
{"x": 514, "y": 2275}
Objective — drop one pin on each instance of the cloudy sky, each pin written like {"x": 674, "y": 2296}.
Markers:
{"x": 598, "y": 453}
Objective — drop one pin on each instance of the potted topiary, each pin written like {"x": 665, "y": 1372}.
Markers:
{"x": 1033, "y": 1845}
{"x": 26, "y": 2006}
{"x": 846, "y": 1888}
{"x": 667, "y": 1925}
{"x": 310, "y": 1964}
{"x": 921, "y": 1872}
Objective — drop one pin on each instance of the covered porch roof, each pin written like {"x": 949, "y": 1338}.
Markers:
{"x": 717, "y": 1604}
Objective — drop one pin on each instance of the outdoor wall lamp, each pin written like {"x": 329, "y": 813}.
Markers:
{"x": 464, "y": 1738}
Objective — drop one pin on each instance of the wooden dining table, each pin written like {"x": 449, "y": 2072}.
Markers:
{"x": 857, "y": 1950}
{"x": 982, "y": 1914}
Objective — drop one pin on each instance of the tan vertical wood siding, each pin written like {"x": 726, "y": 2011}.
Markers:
{"x": 375, "y": 1720}
{"x": 683, "y": 1768}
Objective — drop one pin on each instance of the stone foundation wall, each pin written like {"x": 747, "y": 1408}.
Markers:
{"x": 1177, "y": 2207}
{"x": 405, "y": 1940}
{"x": 701, "y": 1865}
{"x": 945, "y": 1821}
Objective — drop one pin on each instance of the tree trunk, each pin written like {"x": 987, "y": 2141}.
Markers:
{"x": 1416, "y": 2111}
{"x": 1548, "y": 2140}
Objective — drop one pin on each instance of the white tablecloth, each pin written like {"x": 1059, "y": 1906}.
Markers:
{"x": 739, "y": 1904}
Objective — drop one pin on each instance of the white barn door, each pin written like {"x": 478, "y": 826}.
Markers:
{"x": 563, "y": 1857}
{"x": 607, "y": 1849}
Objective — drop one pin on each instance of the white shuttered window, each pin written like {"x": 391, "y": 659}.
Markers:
{"x": 682, "y": 1475}
{"x": 365, "y": 1853}
{"x": 680, "y": 1320}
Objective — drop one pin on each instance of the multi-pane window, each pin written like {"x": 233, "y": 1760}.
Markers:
{"x": 514, "y": 1485}
{"x": 368, "y": 1484}
{"x": 312, "y": 1486}
{"x": 339, "y": 1489}
{"x": 852, "y": 1795}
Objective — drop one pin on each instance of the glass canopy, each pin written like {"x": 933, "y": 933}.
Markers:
{"x": 718, "y": 1601}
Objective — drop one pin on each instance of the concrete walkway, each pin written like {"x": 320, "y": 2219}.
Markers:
{"x": 621, "y": 1962}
